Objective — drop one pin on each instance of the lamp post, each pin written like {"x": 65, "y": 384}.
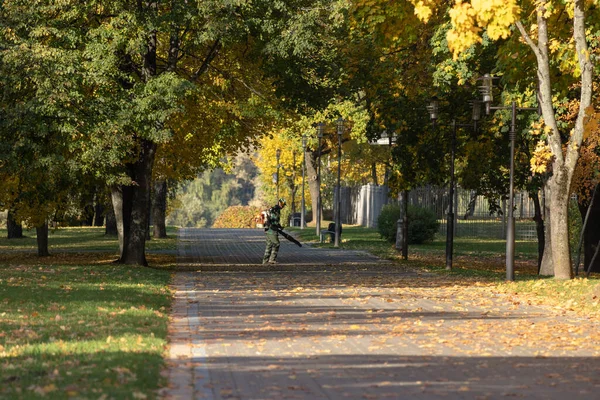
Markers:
{"x": 488, "y": 97}
{"x": 277, "y": 155}
{"x": 338, "y": 211}
{"x": 433, "y": 109}
{"x": 320, "y": 127}
{"x": 302, "y": 206}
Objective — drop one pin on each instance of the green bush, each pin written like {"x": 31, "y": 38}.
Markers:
{"x": 237, "y": 217}
{"x": 387, "y": 220}
{"x": 422, "y": 224}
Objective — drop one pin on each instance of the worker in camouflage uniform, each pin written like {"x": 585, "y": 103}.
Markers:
{"x": 271, "y": 227}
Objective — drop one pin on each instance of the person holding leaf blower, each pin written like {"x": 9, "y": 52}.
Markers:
{"x": 272, "y": 229}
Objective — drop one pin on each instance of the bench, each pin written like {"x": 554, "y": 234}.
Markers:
{"x": 331, "y": 232}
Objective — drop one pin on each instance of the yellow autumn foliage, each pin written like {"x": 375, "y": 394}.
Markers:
{"x": 542, "y": 156}
{"x": 470, "y": 18}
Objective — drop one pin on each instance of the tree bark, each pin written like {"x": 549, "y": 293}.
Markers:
{"x": 98, "y": 214}
{"x": 159, "y": 209}
{"x": 374, "y": 175}
{"x": 402, "y": 225}
{"x": 111, "y": 223}
{"x": 42, "y": 240}
{"x": 547, "y": 267}
{"x": 313, "y": 184}
{"x": 539, "y": 226}
{"x": 15, "y": 229}
{"x": 559, "y": 204}
{"x": 131, "y": 207}
{"x": 121, "y": 199}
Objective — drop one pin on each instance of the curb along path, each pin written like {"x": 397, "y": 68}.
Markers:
{"x": 360, "y": 329}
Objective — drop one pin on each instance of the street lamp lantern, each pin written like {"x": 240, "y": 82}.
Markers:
{"x": 338, "y": 216}
{"x": 433, "y": 109}
{"x": 486, "y": 88}
{"x": 303, "y": 206}
{"x": 320, "y": 128}
{"x": 486, "y": 91}
{"x": 340, "y": 126}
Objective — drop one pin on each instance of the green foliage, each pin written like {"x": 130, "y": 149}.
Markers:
{"x": 387, "y": 222}
{"x": 422, "y": 224}
{"x": 237, "y": 217}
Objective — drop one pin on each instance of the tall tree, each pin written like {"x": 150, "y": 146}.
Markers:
{"x": 469, "y": 19}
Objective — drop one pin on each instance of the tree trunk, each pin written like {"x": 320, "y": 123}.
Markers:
{"x": 121, "y": 199}
{"x": 15, "y": 229}
{"x": 402, "y": 225}
{"x": 559, "y": 204}
{"x": 42, "y": 240}
{"x": 539, "y": 226}
{"x": 374, "y": 175}
{"x": 98, "y": 214}
{"x": 471, "y": 206}
{"x": 135, "y": 222}
{"x": 547, "y": 267}
{"x": 313, "y": 184}
{"x": 565, "y": 154}
{"x": 159, "y": 209}
{"x": 111, "y": 223}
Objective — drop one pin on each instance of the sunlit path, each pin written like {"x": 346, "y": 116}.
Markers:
{"x": 245, "y": 332}
{"x": 228, "y": 248}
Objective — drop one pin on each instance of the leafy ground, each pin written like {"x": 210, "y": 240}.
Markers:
{"x": 76, "y": 325}
{"x": 478, "y": 260}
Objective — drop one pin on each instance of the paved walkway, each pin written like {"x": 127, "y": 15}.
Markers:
{"x": 356, "y": 328}
{"x": 221, "y": 249}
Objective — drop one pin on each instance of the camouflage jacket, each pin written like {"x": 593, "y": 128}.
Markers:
{"x": 274, "y": 216}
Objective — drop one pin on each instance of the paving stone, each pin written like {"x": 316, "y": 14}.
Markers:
{"x": 314, "y": 329}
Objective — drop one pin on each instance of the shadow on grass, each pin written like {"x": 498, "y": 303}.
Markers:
{"x": 113, "y": 374}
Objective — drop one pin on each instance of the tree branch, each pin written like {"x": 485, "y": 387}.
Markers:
{"x": 212, "y": 53}
{"x": 527, "y": 38}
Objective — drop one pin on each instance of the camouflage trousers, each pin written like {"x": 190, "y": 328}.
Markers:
{"x": 272, "y": 247}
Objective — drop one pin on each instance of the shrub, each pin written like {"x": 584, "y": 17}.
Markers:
{"x": 237, "y": 217}
{"x": 387, "y": 220}
{"x": 422, "y": 224}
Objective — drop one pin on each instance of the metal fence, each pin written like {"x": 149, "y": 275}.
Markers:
{"x": 472, "y": 213}
{"x": 362, "y": 206}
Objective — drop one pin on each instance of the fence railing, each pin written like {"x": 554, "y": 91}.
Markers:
{"x": 472, "y": 214}
{"x": 473, "y": 218}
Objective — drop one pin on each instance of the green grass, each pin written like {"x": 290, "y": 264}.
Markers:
{"x": 361, "y": 238}
{"x": 75, "y": 325}
{"x": 83, "y": 239}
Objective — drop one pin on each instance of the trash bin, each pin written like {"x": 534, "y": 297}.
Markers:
{"x": 296, "y": 219}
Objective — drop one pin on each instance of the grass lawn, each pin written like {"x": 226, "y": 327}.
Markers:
{"x": 75, "y": 325}
{"x": 466, "y": 250}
